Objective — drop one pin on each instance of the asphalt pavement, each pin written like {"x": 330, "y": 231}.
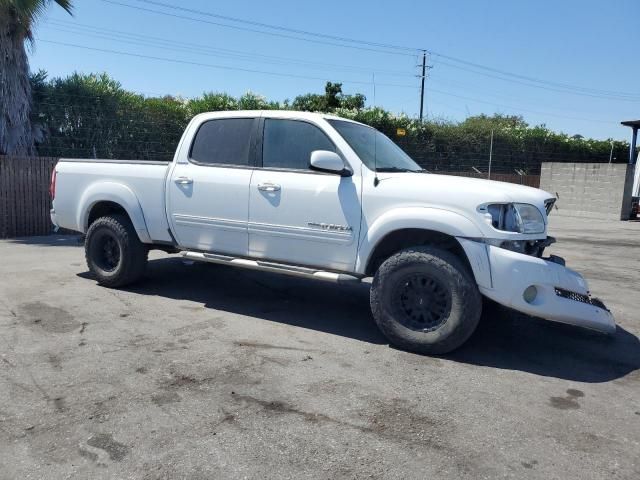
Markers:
{"x": 205, "y": 371}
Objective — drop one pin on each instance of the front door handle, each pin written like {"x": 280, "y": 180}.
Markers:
{"x": 268, "y": 187}
{"x": 184, "y": 181}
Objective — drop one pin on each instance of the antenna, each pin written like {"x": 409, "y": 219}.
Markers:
{"x": 376, "y": 180}
{"x": 373, "y": 75}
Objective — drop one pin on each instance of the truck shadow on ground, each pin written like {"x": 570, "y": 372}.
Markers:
{"x": 510, "y": 340}
{"x": 53, "y": 240}
{"x": 504, "y": 339}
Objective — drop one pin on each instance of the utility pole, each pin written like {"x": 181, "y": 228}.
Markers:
{"x": 424, "y": 67}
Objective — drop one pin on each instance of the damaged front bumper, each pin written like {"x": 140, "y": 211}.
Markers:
{"x": 545, "y": 289}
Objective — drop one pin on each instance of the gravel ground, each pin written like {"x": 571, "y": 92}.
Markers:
{"x": 205, "y": 371}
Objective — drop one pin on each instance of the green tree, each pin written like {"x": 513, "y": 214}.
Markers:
{"x": 93, "y": 116}
{"x": 212, "y": 102}
{"x": 253, "y": 101}
{"x": 353, "y": 102}
{"x": 332, "y": 93}
{"x": 310, "y": 102}
{"x": 17, "y": 21}
{"x": 332, "y": 99}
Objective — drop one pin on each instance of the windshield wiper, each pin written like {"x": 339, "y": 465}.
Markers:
{"x": 396, "y": 169}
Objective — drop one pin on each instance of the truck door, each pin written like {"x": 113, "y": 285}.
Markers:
{"x": 298, "y": 215}
{"x": 208, "y": 189}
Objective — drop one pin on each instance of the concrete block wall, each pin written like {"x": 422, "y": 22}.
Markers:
{"x": 594, "y": 190}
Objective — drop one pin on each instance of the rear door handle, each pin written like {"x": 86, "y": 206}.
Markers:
{"x": 184, "y": 181}
{"x": 268, "y": 187}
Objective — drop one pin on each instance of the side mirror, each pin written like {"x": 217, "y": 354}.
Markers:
{"x": 327, "y": 161}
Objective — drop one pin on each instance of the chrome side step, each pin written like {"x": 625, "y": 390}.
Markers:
{"x": 271, "y": 267}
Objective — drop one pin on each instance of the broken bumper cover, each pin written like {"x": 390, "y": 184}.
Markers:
{"x": 560, "y": 294}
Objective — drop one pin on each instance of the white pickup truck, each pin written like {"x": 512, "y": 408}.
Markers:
{"x": 328, "y": 198}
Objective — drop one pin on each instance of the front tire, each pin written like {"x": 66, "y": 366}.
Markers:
{"x": 424, "y": 300}
{"x": 114, "y": 253}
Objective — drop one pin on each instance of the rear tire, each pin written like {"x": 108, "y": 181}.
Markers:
{"x": 425, "y": 300}
{"x": 114, "y": 253}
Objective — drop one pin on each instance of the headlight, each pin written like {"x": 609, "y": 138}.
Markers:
{"x": 514, "y": 217}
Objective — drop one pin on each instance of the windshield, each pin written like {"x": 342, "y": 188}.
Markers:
{"x": 375, "y": 149}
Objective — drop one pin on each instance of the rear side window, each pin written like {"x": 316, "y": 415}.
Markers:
{"x": 289, "y": 143}
{"x": 225, "y": 141}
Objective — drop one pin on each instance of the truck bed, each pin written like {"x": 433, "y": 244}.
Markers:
{"x": 78, "y": 179}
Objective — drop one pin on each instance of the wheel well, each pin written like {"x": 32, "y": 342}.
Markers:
{"x": 102, "y": 209}
{"x": 410, "y": 237}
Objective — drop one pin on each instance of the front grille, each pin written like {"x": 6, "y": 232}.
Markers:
{"x": 577, "y": 297}
{"x": 580, "y": 297}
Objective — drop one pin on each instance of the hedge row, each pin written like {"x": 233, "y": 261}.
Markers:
{"x": 93, "y": 116}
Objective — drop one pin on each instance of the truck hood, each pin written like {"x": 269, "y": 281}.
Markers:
{"x": 460, "y": 194}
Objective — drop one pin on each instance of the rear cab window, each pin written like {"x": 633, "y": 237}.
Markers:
{"x": 224, "y": 141}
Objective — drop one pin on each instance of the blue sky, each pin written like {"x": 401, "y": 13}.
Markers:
{"x": 589, "y": 46}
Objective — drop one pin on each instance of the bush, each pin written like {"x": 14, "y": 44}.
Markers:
{"x": 93, "y": 116}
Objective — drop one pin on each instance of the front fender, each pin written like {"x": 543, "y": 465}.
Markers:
{"x": 426, "y": 218}
{"x": 116, "y": 193}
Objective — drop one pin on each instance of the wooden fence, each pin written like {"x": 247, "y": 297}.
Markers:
{"x": 24, "y": 196}
{"x": 25, "y": 201}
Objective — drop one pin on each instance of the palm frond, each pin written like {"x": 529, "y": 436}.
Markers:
{"x": 27, "y": 12}
{"x": 66, "y": 4}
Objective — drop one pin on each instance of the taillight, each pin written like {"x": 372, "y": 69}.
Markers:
{"x": 52, "y": 185}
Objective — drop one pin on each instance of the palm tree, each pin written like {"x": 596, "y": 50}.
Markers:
{"x": 17, "y": 20}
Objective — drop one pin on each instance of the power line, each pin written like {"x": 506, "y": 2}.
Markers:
{"x": 147, "y": 40}
{"x": 129, "y": 38}
{"x": 366, "y": 45}
{"x": 281, "y": 74}
{"x": 237, "y": 27}
{"x": 222, "y": 67}
{"x": 490, "y": 93}
{"x": 277, "y": 27}
{"x": 520, "y": 109}
{"x": 537, "y": 80}
{"x": 564, "y": 86}
{"x": 543, "y": 87}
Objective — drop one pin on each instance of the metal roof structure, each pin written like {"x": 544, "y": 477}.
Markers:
{"x": 635, "y": 125}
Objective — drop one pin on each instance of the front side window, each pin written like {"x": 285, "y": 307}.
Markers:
{"x": 289, "y": 143}
{"x": 224, "y": 141}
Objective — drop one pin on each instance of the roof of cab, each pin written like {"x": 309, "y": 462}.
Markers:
{"x": 274, "y": 113}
